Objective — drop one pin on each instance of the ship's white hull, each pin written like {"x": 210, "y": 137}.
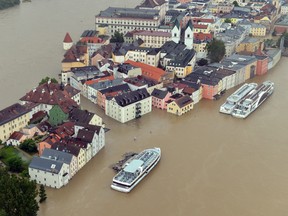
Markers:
{"x": 127, "y": 189}
{"x": 243, "y": 114}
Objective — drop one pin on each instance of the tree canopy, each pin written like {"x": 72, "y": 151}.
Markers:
{"x": 17, "y": 195}
{"x": 235, "y": 3}
{"x": 46, "y": 79}
{"x": 227, "y": 20}
{"x": 216, "y": 50}
{"x": 117, "y": 37}
{"x": 28, "y": 145}
{"x": 8, "y": 3}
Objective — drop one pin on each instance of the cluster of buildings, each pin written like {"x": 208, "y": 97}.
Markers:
{"x": 153, "y": 67}
{"x": 155, "y": 64}
{"x": 70, "y": 137}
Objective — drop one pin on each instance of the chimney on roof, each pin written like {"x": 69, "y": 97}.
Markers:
{"x": 34, "y": 89}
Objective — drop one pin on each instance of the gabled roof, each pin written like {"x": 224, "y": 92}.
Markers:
{"x": 12, "y": 112}
{"x": 184, "y": 101}
{"x": 50, "y": 93}
{"x": 131, "y": 97}
{"x": 46, "y": 165}
{"x": 16, "y": 135}
{"x": 78, "y": 115}
{"x": 189, "y": 25}
{"x": 159, "y": 93}
{"x": 57, "y": 155}
{"x": 151, "y": 3}
{"x": 74, "y": 150}
{"x": 67, "y": 38}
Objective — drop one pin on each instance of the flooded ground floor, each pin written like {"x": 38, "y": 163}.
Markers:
{"x": 212, "y": 164}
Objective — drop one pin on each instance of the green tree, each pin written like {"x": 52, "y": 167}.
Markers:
{"x": 42, "y": 194}
{"x": 28, "y": 145}
{"x": 46, "y": 79}
{"x": 216, "y": 50}
{"x": 235, "y": 3}
{"x": 17, "y": 195}
{"x": 117, "y": 37}
{"x": 227, "y": 20}
{"x": 15, "y": 164}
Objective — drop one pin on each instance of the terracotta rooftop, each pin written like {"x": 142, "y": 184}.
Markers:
{"x": 50, "y": 93}
{"x": 148, "y": 70}
{"x": 67, "y": 38}
{"x": 16, "y": 135}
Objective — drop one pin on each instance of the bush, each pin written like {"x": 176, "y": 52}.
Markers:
{"x": 15, "y": 164}
{"x": 29, "y": 146}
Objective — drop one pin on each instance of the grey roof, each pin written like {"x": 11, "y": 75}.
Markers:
{"x": 250, "y": 40}
{"x": 106, "y": 84}
{"x": 122, "y": 87}
{"x": 57, "y": 155}
{"x": 12, "y": 112}
{"x": 46, "y": 165}
{"x": 89, "y": 33}
{"x": 159, "y": 93}
{"x": 283, "y": 20}
{"x": 182, "y": 59}
{"x": 131, "y": 97}
{"x": 116, "y": 12}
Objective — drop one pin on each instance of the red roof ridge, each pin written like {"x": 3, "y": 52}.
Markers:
{"x": 67, "y": 38}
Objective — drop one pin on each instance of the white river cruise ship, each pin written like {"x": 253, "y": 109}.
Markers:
{"x": 253, "y": 100}
{"x": 136, "y": 169}
{"x": 236, "y": 97}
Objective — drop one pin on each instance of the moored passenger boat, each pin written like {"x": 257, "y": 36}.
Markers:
{"x": 236, "y": 97}
{"x": 253, "y": 100}
{"x": 136, "y": 169}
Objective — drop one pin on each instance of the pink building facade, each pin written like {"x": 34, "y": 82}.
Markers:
{"x": 160, "y": 98}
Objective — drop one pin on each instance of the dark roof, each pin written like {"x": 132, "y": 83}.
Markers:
{"x": 50, "y": 93}
{"x": 82, "y": 116}
{"x": 44, "y": 126}
{"x": 190, "y": 24}
{"x": 46, "y": 165}
{"x": 89, "y": 33}
{"x": 57, "y": 155}
{"x": 72, "y": 149}
{"x": 151, "y": 3}
{"x": 16, "y": 135}
{"x": 182, "y": 59}
{"x": 12, "y": 112}
{"x": 131, "y": 97}
{"x": 122, "y": 88}
{"x": 86, "y": 135}
{"x": 159, "y": 93}
{"x": 183, "y": 101}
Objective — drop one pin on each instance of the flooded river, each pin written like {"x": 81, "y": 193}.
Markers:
{"x": 212, "y": 164}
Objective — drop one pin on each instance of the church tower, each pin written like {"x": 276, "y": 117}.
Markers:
{"x": 188, "y": 35}
{"x": 176, "y": 32}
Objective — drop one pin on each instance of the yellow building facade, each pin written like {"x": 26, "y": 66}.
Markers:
{"x": 248, "y": 45}
{"x": 180, "y": 106}
{"x": 13, "y": 118}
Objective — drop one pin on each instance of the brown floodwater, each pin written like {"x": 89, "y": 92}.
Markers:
{"x": 212, "y": 164}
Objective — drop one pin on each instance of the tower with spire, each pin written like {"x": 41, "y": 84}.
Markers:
{"x": 67, "y": 42}
{"x": 188, "y": 35}
{"x": 176, "y": 32}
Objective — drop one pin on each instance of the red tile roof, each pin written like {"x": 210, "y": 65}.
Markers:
{"x": 67, "y": 38}
{"x": 200, "y": 26}
{"x": 148, "y": 71}
{"x": 203, "y": 36}
{"x": 50, "y": 93}
{"x": 16, "y": 135}
{"x": 195, "y": 20}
